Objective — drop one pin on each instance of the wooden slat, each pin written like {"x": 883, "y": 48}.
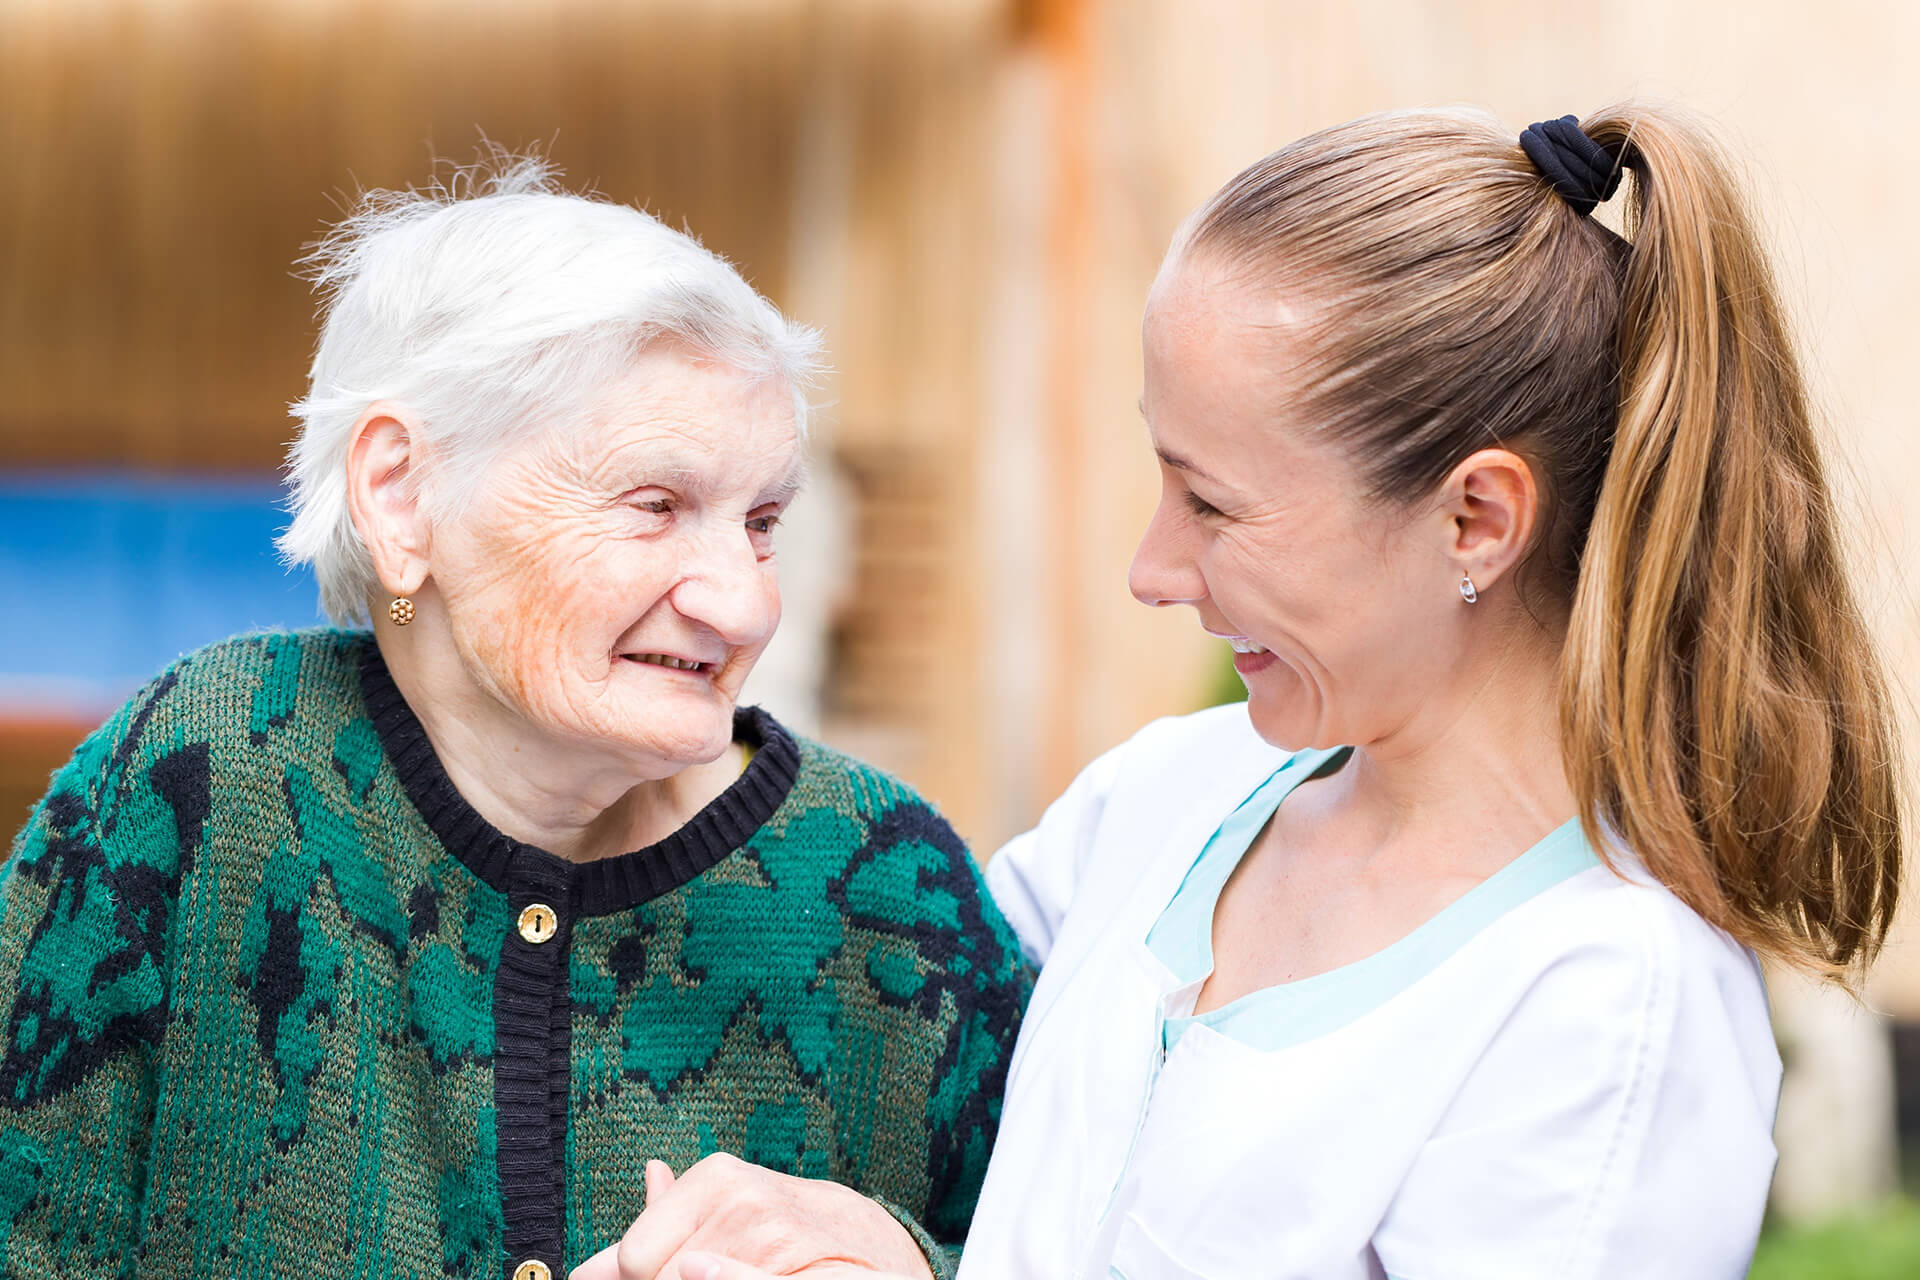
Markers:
{"x": 166, "y": 166}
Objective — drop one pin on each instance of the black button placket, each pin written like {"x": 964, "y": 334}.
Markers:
{"x": 531, "y": 1059}
{"x": 532, "y": 1001}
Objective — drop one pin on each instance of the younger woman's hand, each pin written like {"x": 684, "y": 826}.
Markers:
{"x": 707, "y": 1266}
{"x": 751, "y": 1222}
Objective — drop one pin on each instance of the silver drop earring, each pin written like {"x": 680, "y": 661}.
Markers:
{"x": 1467, "y": 592}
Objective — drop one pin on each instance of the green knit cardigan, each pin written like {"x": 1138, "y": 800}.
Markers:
{"x": 278, "y": 1001}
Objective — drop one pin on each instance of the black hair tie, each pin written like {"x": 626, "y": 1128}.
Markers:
{"x": 1580, "y": 169}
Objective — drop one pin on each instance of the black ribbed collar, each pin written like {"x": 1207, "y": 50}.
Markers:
{"x": 605, "y": 885}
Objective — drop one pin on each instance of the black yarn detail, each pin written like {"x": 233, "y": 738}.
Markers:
{"x": 606, "y": 885}
{"x": 1580, "y": 169}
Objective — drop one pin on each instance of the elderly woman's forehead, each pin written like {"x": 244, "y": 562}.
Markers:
{"x": 701, "y": 398}
{"x": 682, "y": 392}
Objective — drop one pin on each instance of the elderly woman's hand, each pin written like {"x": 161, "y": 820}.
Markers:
{"x": 707, "y": 1266}
{"x": 764, "y": 1223}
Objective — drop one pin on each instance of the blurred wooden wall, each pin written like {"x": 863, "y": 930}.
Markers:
{"x": 167, "y": 164}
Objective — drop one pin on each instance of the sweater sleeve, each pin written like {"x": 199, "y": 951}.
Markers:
{"x": 964, "y": 1113}
{"x": 942, "y": 1260}
{"x": 86, "y": 903}
{"x": 970, "y": 982}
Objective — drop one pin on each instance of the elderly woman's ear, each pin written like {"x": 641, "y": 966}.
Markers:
{"x": 384, "y": 496}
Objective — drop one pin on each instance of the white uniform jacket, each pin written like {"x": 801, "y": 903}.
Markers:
{"x": 1582, "y": 1086}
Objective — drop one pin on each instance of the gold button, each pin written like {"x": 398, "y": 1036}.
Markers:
{"x": 533, "y": 1268}
{"x": 537, "y": 924}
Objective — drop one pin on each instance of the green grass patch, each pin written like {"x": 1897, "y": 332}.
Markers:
{"x": 1880, "y": 1246}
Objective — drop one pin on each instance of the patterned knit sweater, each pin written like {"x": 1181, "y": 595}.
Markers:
{"x": 279, "y": 1002}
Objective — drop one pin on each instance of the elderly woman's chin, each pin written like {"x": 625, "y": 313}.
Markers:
{"x": 676, "y": 714}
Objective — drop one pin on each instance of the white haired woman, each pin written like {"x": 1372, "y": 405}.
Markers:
{"x": 403, "y": 953}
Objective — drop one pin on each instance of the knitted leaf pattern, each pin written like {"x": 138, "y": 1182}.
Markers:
{"x": 250, "y": 1010}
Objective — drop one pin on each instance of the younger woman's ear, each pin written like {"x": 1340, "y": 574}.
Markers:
{"x": 383, "y": 497}
{"x": 1492, "y": 505}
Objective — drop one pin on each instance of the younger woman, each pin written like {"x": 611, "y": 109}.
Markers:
{"x": 1437, "y": 959}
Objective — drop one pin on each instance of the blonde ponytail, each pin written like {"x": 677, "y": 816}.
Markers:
{"x": 1722, "y": 708}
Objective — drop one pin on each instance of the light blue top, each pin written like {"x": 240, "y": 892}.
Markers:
{"x": 1293, "y": 1013}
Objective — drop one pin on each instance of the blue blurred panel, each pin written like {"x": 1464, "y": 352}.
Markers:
{"x": 105, "y": 578}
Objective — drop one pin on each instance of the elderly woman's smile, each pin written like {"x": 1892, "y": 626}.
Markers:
{"x": 675, "y": 664}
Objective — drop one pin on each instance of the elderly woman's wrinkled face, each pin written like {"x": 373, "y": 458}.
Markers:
{"x": 614, "y": 582}
{"x": 1342, "y": 612}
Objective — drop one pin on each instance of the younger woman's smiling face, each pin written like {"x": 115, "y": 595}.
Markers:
{"x": 1346, "y": 609}
{"x": 612, "y": 583}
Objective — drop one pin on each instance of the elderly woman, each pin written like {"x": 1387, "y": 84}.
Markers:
{"x": 1437, "y": 958}
{"x": 402, "y": 954}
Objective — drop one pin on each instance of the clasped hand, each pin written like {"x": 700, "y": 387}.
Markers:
{"x": 725, "y": 1219}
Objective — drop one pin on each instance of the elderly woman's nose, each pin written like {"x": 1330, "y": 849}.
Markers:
{"x": 726, "y": 587}
{"x": 1164, "y": 570}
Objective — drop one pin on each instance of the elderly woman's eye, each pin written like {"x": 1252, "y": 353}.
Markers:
{"x": 658, "y": 506}
{"x": 763, "y": 524}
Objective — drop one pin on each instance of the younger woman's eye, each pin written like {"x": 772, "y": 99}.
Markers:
{"x": 1199, "y": 505}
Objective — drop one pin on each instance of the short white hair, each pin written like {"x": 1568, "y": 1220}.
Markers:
{"x": 486, "y": 304}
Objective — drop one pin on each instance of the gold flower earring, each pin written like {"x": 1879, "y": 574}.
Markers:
{"x": 400, "y": 611}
